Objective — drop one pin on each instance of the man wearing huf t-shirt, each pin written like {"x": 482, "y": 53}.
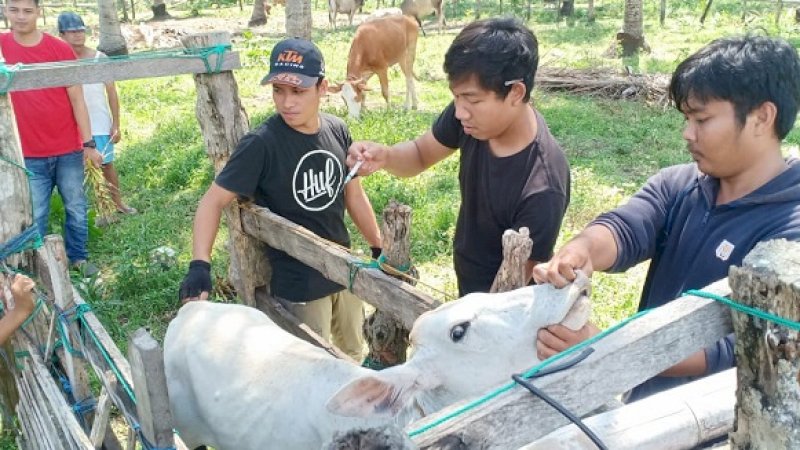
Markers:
{"x": 294, "y": 164}
{"x": 54, "y": 131}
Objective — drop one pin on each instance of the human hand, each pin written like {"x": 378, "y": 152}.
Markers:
{"x": 562, "y": 268}
{"x": 115, "y": 134}
{"x": 557, "y": 338}
{"x": 93, "y": 156}
{"x": 24, "y": 297}
{"x": 373, "y": 155}
{"x": 197, "y": 283}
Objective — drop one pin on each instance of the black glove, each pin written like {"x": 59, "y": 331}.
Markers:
{"x": 376, "y": 252}
{"x": 197, "y": 280}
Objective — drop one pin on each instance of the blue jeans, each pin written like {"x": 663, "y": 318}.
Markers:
{"x": 66, "y": 173}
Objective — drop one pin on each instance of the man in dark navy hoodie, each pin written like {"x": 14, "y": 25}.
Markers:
{"x": 740, "y": 98}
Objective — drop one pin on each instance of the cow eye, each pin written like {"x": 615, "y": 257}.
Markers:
{"x": 457, "y": 332}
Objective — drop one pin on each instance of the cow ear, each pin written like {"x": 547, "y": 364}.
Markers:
{"x": 382, "y": 393}
{"x": 334, "y": 87}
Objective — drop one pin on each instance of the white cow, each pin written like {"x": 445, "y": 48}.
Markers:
{"x": 238, "y": 381}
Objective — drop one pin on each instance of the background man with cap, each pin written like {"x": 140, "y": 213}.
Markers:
{"x": 102, "y": 103}
{"x": 294, "y": 164}
{"x": 53, "y": 129}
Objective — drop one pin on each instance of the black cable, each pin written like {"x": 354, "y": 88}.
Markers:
{"x": 560, "y": 408}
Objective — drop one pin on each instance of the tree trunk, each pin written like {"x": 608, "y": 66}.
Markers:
{"x": 632, "y": 36}
{"x": 259, "y": 15}
{"x": 111, "y": 41}
{"x": 298, "y": 18}
{"x": 124, "y": 6}
{"x": 706, "y": 9}
{"x": 767, "y": 355}
{"x": 662, "y": 12}
{"x": 590, "y": 15}
{"x": 567, "y": 9}
{"x": 386, "y": 336}
{"x": 160, "y": 10}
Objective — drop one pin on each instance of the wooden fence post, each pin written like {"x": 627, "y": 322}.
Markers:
{"x": 386, "y": 336}
{"x": 223, "y": 121}
{"x": 150, "y": 386}
{"x": 768, "y": 393}
{"x": 516, "y": 252}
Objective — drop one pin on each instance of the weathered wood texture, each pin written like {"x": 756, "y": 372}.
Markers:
{"x": 373, "y": 286}
{"x": 512, "y": 274}
{"x": 677, "y": 419}
{"x": 51, "y": 267}
{"x": 624, "y": 359}
{"x": 386, "y": 336}
{"x": 68, "y": 74}
{"x": 150, "y": 384}
{"x": 223, "y": 122}
{"x": 768, "y": 395}
{"x": 289, "y": 322}
{"x": 14, "y": 189}
{"x": 103, "y": 411}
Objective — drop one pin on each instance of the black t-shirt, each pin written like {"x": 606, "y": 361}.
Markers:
{"x": 527, "y": 189}
{"x": 297, "y": 176}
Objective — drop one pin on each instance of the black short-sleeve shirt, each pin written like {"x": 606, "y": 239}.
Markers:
{"x": 297, "y": 176}
{"x": 527, "y": 189}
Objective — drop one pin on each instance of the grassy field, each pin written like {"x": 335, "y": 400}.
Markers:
{"x": 612, "y": 146}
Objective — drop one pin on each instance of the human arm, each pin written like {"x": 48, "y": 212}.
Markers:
{"x": 75, "y": 94}
{"x": 405, "y": 159}
{"x": 197, "y": 283}
{"x": 360, "y": 210}
{"x": 113, "y": 104}
{"x": 24, "y": 303}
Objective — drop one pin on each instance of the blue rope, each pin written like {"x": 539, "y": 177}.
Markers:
{"x": 29, "y": 239}
{"x": 755, "y": 312}
{"x": 8, "y": 73}
{"x": 145, "y": 443}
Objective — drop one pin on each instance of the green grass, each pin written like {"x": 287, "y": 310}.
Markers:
{"x": 613, "y": 146}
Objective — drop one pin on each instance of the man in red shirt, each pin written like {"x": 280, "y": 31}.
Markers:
{"x": 54, "y": 130}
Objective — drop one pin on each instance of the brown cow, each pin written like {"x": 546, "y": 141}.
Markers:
{"x": 378, "y": 44}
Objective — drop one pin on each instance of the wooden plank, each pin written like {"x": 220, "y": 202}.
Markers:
{"x": 643, "y": 348}
{"x": 371, "y": 285}
{"x": 150, "y": 382}
{"x": 680, "y": 418}
{"x": 103, "y": 411}
{"x": 67, "y": 74}
{"x": 289, "y": 322}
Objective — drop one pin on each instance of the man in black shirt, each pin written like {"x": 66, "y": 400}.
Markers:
{"x": 512, "y": 172}
{"x": 294, "y": 164}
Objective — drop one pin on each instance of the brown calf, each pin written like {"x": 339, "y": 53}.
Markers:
{"x": 378, "y": 44}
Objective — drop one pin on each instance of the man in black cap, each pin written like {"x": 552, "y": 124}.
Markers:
{"x": 293, "y": 164}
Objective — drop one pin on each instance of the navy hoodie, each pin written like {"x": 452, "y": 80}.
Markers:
{"x": 691, "y": 242}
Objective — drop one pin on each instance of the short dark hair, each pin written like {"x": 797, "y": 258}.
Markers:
{"x": 495, "y": 51}
{"x": 35, "y": 2}
{"x": 746, "y": 71}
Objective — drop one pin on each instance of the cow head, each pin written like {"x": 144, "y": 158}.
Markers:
{"x": 464, "y": 348}
{"x": 353, "y": 93}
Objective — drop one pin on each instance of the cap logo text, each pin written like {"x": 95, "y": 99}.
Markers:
{"x": 290, "y": 56}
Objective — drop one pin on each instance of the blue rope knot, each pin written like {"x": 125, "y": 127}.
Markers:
{"x": 84, "y": 406}
{"x": 29, "y": 239}
{"x": 205, "y": 52}
{"x": 8, "y": 73}
{"x": 404, "y": 268}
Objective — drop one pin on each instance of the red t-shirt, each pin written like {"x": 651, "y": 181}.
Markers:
{"x": 45, "y": 120}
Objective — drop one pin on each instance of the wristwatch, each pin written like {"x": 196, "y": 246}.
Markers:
{"x": 90, "y": 143}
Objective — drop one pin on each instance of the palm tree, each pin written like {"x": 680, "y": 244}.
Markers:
{"x": 632, "y": 36}
{"x": 259, "y": 16}
{"x": 111, "y": 41}
{"x": 298, "y": 18}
